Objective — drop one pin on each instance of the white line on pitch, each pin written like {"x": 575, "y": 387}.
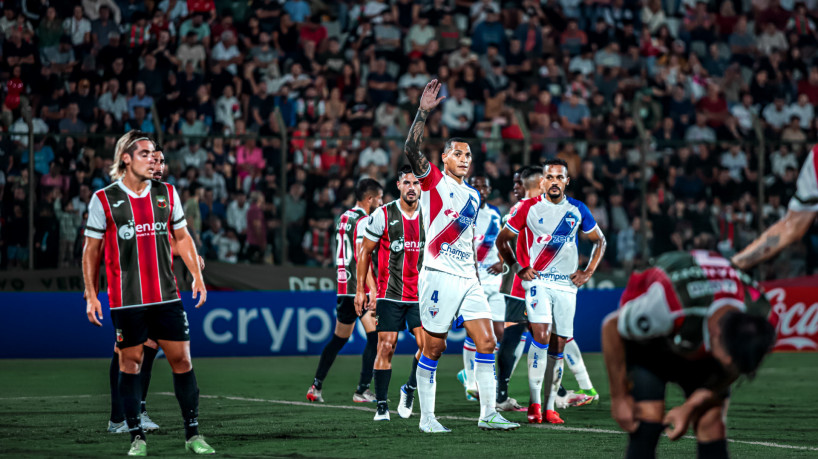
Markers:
{"x": 46, "y": 397}
{"x": 461, "y": 418}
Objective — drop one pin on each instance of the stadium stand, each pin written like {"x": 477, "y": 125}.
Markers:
{"x": 268, "y": 112}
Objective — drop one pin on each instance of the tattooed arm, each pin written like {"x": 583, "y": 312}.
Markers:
{"x": 428, "y": 101}
{"x": 783, "y": 233}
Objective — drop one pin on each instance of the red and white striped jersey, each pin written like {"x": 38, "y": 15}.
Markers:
{"x": 400, "y": 251}
{"x": 136, "y": 232}
{"x": 512, "y": 284}
{"x": 449, "y": 212}
{"x": 551, "y": 234}
{"x": 349, "y": 233}
{"x": 806, "y": 192}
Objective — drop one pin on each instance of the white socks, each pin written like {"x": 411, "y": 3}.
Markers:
{"x": 427, "y": 387}
{"x": 553, "y": 374}
{"x": 518, "y": 351}
{"x": 486, "y": 382}
{"x": 574, "y": 360}
{"x": 469, "y": 349}
{"x": 536, "y": 369}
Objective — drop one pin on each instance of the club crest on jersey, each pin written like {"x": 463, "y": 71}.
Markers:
{"x": 571, "y": 219}
{"x": 451, "y": 213}
{"x": 343, "y": 274}
{"x": 161, "y": 202}
{"x": 434, "y": 311}
{"x": 534, "y": 304}
{"x": 127, "y": 231}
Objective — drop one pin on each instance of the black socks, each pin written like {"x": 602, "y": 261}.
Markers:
{"x": 506, "y": 357}
{"x": 328, "y": 355}
{"x": 382, "y": 378}
{"x": 412, "y": 382}
{"x": 149, "y": 355}
{"x": 713, "y": 450}
{"x": 187, "y": 393}
{"x": 117, "y": 414}
{"x": 368, "y": 361}
{"x": 130, "y": 393}
{"x": 642, "y": 444}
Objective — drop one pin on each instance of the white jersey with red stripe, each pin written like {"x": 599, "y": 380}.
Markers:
{"x": 449, "y": 212}
{"x": 489, "y": 223}
{"x": 806, "y": 192}
{"x": 550, "y": 240}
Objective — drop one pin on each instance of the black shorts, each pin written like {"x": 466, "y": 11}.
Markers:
{"x": 393, "y": 316}
{"x": 515, "y": 309}
{"x": 346, "y": 310}
{"x": 653, "y": 364}
{"x": 166, "y": 321}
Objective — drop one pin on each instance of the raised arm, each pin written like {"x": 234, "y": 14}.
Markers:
{"x": 428, "y": 101}
{"x": 783, "y": 233}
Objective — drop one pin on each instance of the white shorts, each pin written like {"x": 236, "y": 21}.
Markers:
{"x": 548, "y": 305}
{"x": 497, "y": 302}
{"x": 444, "y": 296}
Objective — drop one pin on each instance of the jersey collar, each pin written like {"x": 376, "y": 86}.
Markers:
{"x": 131, "y": 193}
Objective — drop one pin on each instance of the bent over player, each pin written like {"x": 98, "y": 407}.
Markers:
{"x": 396, "y": 231}
{"x": 448, "y": 284}
{"x": 693, "y": 320}
{"x": 134, "y": 217}
{"x": 349, "y": 235}
{"x": 547, "y": 262}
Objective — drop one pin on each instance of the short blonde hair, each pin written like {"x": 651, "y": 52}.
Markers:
{"x": 126, "y": 145}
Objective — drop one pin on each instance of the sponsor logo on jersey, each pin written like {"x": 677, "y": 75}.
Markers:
{"x": 540, "y": 221}
{"x": 697, "y": 289}
{"x": 559, "y": 239}
{"x": 343, "y": 274}
{"x": 450, "y": 251}
{"x": 479, "y": 238}
{"x": 396, "y": 246}
{"x": 394, "y": 222}
{"x": 144, "y": 229}
{"x": 161, "y": 202}
{"x": 554, "y": 275}
{"x": 118, "y": 203}
{"x": 451, "y": 213}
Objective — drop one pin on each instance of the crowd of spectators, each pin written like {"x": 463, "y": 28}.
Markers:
{"x": 222, "y": 83}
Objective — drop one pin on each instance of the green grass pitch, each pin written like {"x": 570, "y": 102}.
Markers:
{"x": 59, "y": 408}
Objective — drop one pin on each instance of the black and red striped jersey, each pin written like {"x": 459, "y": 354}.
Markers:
{"x": 349, "y": 232}
{"x": 401, "y": 241}
{"x": 136, "y": 232}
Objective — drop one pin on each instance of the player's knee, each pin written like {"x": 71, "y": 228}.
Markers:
{"x": 539, "y": 335}
{"x": 710, "y": 426}
{"x": 180, "y": 363}
{"x": 386, "y": 346}
{"x": 649, "y": 411}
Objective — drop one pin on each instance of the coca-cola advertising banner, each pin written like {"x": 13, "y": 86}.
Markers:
{"x": 795, "y": 312}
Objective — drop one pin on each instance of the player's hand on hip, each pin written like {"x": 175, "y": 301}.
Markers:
{"x": 580, "y": 277}
{"x": 360, "y": 301}
{"x": 676, "y": 421}
{"x": 93, "y": 310}
{"x": 622, "y": 412}
{"x": 496, "y": 268}
{"x": 527, "y": 274}
{"x": 200, "y": 291}
{"x": 429, "y": 99}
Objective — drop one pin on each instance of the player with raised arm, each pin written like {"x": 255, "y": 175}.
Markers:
{"x": 801, "y": 212}
{"x": 395, "y": 230}
{"x": 134, "y": 218}
{"x": 547, "y": 263}
{"x": 348, "y": 238}
{"x": 694, "y": 320}
{"x": 448, "y": 285}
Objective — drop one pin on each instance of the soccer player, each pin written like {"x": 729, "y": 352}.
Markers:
{"x": 526, "y": 186}
{"x": 348, "y": 238}
{"x": 134, "y": 217}
{"x": 547, "y": 262}
{"x": 116, "y": 423}
{"x": 802, "y": 210}
{"x": 396, "y": 231}
{"x": 448, "y": 285}
{"x": 693, "y": 320}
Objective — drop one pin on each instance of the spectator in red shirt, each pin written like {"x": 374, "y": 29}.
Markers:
{"x": 202, "y": 6}
{"x": 713, "y": 106}
{"x": 315, "y": 32}
{"x": 773, "y": 14}
{"x": 809, "y": 86}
